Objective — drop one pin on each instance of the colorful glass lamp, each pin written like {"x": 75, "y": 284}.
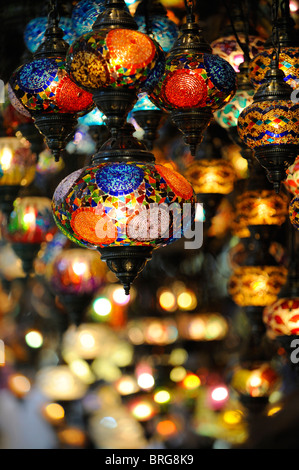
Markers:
{"x": 112, "y": 206}
{"x": 114, "y": 61}
{"x": 291, "y": 182}
{"x": 36, "y": 28}
{"x": 289, "y": 51}
{"x": 269, "y": 126}
{"x": 228, "y": 45}
{"x": 43, "y": 87}
{"x": 74, "y": 276}
{"x": 17, "y": 169}
{"x": 195, "y": 83}
{"x": 30, "y": 224}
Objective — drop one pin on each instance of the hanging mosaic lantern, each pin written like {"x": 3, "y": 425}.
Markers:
{"x": 238, "y": 32}
{"x": 269, "y": 126}
{"x": 195, "y": 83}
{"x": 36, "y": 28}
{"x": 43, "y": 87}
{"x": 114, "y": 61}
{"x": 30, "y": 224}
{"x": 74, "y": 276}
{"x": 289, "y": 52}
{"x": 151, "y": 18}
{"x": 227, "y": 117}
{"x": 228, "y": 48}
{"x": 119, "y": 205}
{"x": 17, "y": 169}
{"x": 258, "y": 279}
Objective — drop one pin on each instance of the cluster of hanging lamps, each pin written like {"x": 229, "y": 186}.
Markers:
{"x": 195, "y": 83}
{"x": 118, "y": 204}
{"x": 269, "y": 126}
{"x": 44, "y": 89}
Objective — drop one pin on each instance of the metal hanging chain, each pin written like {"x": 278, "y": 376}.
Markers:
{"x": 53, "y": 14}
{"x": 243, "y": 47}
{"x": 148, "y": 25}
{"x": 275, "y": 33}
{"x": 189, "y": 6}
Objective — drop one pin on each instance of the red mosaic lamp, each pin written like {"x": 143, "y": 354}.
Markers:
{"x": 115, "y": 62}
{"x": 195, "y": 83}
{"x": 43, "y": 88}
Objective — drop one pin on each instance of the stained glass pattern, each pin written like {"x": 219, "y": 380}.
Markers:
{"x": 194, "y": 81}
{"x": 116, "y": 204}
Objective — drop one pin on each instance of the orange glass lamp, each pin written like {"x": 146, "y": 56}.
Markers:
{"x": 114, "y": 62}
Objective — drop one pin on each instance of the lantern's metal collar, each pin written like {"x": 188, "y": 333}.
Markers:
{"x": 275, "y": 87}
{"x": 190, "y": 40}
{"x": 115, "y": 16}
{"x": 123, "y": 147}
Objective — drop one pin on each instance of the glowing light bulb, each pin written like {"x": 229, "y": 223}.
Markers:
{"x": 126, "y": 385}
{"x": 19, "y": 385}
{"x": 34, "y": 339}
{"x": 219, "y": 394}
{"x": 102, "y": 306}
{"x": 54, "y": 412}
{"x": 142, "y": 411}
{"x": 119, "y": 296}
{"x": 167, "y": 301}
{"x": 146, "y": 381}
{"x": 5, "y": 158}
{"x": 177, "y": 374}
{"x": 29, "y": 219}
{"x": 187, "y": 300}
{"x": 232, "y": 417}
{"x": 162, "y": 396}
{"x": 79, "y": 268}
{"x": 191, "y": 382}
{"x": 86, "y": 339}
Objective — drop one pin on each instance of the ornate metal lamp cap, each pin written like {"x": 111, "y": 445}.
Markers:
{"x": 123, "y": 146}
{"x": 115, "y": 16}
{"x": 190, "y": 40}
{"x": 53, "y": 44}
{"x": 275, "y": 87}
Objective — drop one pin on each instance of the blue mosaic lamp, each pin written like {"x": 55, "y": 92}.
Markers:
{"x": 151, "y": 18}
{"x": 35, "y": 31}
